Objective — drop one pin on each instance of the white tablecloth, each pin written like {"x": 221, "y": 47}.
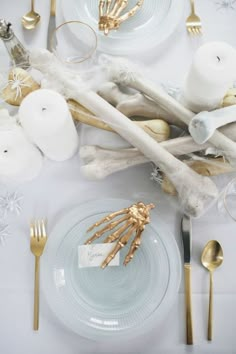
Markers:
{"x": 61, "y": 186}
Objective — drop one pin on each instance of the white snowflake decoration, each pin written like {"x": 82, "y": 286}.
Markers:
{"x": 4, "y": 232}
{"x": 226, "y": 4}
{"x": 10, "y": 203}
{"x": 172, "y": 91}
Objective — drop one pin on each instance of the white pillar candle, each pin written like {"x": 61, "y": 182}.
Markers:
{"x": 45, "y": 117}
{"x": 20, "y": 160}
{"x": 212, "y": 73}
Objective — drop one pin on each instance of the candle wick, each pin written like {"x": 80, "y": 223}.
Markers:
{"x": 218, "y": 59}
{"x": 44, "y": 109}
{"x": 5, "y": 151}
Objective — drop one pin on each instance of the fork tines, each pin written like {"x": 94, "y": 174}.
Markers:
{"x": 38, "y": 229}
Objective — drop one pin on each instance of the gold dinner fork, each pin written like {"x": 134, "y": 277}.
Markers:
{"x": 38, "y": 239}
{"x": 193, "y": 22}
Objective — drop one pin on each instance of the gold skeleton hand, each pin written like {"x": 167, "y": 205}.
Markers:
{"x": 130, "y": 220}
{"x": 110, "y": 11}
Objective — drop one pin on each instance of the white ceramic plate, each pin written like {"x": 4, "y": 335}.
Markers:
{"x": 118, "y": 301}
{"x": 150, "y": 27}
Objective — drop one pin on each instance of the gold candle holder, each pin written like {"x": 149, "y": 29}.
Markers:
{"x": 110, "y": 14}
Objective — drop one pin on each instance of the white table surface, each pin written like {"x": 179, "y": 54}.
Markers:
{"x": 61, "y": 186}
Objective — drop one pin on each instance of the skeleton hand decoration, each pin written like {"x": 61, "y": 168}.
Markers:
{"x": 110, "y": 11}
{"x": 132, "y": 220}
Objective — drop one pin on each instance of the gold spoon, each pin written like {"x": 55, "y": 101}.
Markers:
{"x": 31, "y": 19}
{"x": 212, "y": 258}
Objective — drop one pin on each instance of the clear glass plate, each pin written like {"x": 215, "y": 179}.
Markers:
{"x": 118, "y": 301}
{"x": 151, "y": 26}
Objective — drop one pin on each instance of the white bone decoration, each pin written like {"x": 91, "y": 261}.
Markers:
{"x": 204, "y": 124}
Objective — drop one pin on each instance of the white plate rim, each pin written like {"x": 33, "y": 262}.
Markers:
{"x": 49, "y": 290}
{"x": 169, "y": 25}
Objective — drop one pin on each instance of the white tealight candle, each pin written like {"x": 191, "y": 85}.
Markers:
{"x": 45, "y": 117}
{"x": 212, "y": 73}
{"x": 20, "y": 160}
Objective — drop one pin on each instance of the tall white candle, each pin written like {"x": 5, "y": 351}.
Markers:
{"x": 212, "y": 73}
{"x": 45, "y": 117}
{"x": 20, "y": 160}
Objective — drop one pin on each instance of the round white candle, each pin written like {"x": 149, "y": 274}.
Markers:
{"x": 212, "y": 73}
{"x": 45, "y": 117}
{"x": 20, "y": 160}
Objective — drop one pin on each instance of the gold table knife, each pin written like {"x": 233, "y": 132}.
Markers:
{"x": 52, "y": 23}
{"x": 186, "y": 229}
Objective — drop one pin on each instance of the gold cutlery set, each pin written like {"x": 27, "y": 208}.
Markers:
{"x": 212, "y": 258}
{"x": 32, "y": 18}
{"x": 112, "y": 15}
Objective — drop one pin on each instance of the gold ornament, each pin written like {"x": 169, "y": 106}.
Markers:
{"x": 132, "y": 220}
{"x": 110, "y": 11}
{"x": 19, "y": 85}
{"x": 230, "y": 98}
{"x": 156, "y": 128}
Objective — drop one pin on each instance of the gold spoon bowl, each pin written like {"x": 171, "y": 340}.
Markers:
{"x": 212, "y": 258}
{"x": 31, "y": 19}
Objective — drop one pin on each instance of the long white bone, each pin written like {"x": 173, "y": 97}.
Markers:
{"x": 101, "y": 163}
{"x": 135, "y": 104}
{"x": 120, "y": 71}
{"x": 96, "y": 159}
{"x": 204, "y": 124}
{"x": 196, "y": 192}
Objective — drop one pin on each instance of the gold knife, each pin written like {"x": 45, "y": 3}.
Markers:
{"x": 186, "y": 228}
{"x": 52, "y": 23}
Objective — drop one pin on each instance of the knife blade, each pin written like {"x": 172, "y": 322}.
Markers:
{"x": 186, "y": 228}
{"x": 52, "y": 23}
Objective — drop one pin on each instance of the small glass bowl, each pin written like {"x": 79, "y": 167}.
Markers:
{"x": 230, "y": 199}
{"x": 73, "y": 42}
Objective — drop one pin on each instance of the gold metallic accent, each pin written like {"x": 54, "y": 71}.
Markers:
{"x": 229, "y": 98}
{"x": 188, "y": 304}
{"x": 38, "y": 239}
{"x": 53, "y": 8}
{"x": 31, "y": 19}
{"x": 193, "y": 22}
{"x": 212, "y": 258}
{"x": 88, "y": 56}
{"x": 110, "y": 14}
{"x": 130, "y": 220}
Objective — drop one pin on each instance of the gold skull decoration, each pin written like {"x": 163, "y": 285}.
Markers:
{"x": 130, "y": 221}
{"x": 110, "y": 13}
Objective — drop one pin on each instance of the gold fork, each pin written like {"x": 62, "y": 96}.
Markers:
{"x": 193, "y": 22}
{"x": 38, "y": 239}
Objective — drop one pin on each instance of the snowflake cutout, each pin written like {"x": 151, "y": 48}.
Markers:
{"x": 172, "y": 91}
{"x": 10, "y": 203}
{"x": 4, "y": 233}
{"x": 226, "y": 4}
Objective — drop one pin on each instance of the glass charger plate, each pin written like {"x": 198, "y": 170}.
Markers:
{"x": 118, "y": 301}
{"x": 152, "y": 25}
